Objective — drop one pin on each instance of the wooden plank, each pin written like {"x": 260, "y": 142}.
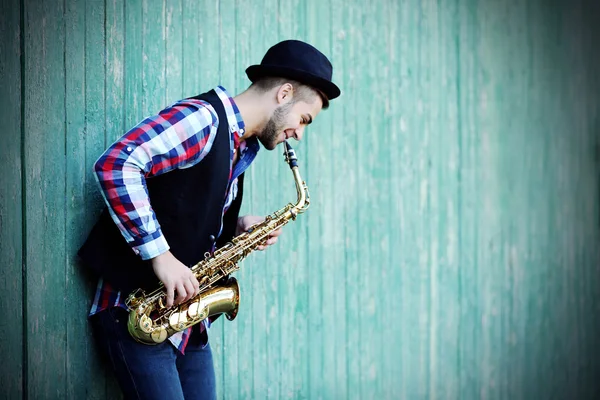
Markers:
{"x": 204, "y": 56}
{"x": 116, "y": 64}
{"x": 11, "y": 208}
{"x": 44, "y": 106}
{"x": 334, "y": 268}
{"x": 224, "y": 59}
{"x": 502, "y": 244}
{"x": 401, "y": 184}
{"x": 174, "y": 44}
{"x": 236, "y": 358}
{"x": 581, "y": 35}
{"x": 133, "y": 79}
{"x": 200, "y": 47}
{"x": 266, "y": 197}
{"x": 76, "y": 294}
{"x": 352, "y": 277}
{"x": 320, "y": 236}
{"x": 442, "y": 223}
{"x": 386, "y": 297}
{"x": 468, "y": 200}
{"x": 505, "y": 254}
{"x": 85, "y": 102}
{"x": 394, "y": 291}
{"x": 427, "y": 201}
{"x": 114, "y": 112}
{"x": 289, "y": 281}
{"x": 370, "y": 171}
{"x": 256, "y": 275}
{"x": 153, "y": 57}
{"x": 225, "y": 33}
{"x": 412, "y": 274}
{"x": 202, "y": 72}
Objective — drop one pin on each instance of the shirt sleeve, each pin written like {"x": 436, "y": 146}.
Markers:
{"x": 179, "y": 136}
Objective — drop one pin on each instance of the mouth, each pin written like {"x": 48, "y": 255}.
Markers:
{"x": 288, "y": 135}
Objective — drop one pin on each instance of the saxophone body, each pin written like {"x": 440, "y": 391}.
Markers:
{"x": 151, "y": 322}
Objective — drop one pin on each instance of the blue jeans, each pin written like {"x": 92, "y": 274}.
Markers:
{"x": 155, "y": 372}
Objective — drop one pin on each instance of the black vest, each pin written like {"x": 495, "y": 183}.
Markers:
{"x": 188, "y": 204}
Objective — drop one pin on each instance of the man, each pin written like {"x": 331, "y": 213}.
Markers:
{"x": 173, "y": 188}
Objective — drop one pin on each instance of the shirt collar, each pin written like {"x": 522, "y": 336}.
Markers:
{"x": 234, "y": 117}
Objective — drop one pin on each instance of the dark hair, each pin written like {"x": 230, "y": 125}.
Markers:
{"x": 302, "y": 92}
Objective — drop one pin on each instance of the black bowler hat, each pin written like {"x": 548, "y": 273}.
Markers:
{"x": 297, "y": 60}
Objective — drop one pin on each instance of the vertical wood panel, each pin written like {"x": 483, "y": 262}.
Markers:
{"x": 115, "y": 116}
{"x": 393, "y": 289}
{"x": 134, "y": 91}
{"x": 45, "y": 177}
{"x": 265, "y": 199}
{"x": 154, "y": 57}
{"x": 441, "y": 185}
{"x": 235, "y": 357}
{"x": 370, "y": 173}
{"x": 224, "y": 74}
{"x": 289, "y": 283}
{"x": 11, "y": 192}
{"x": 468, "y": 197}
{"x": 333, "y": 266}
{"x": 173, "y": 51}
{"x": 78, "y": 358}
{"x": 349, "y": 204}
{"x": 317, "y": 158}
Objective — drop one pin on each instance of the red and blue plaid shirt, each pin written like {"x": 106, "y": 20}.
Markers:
{"x": 179, "y": 136}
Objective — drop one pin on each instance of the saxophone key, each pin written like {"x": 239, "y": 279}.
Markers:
{"x": 193, "y": 310}
{"x": 197, "y": 312}
{"x": 146, "y": 324}
{"x": 178, "y": 321}
{"x": 204, "y": 281}
{"x": 159, "y": 335}
{"x": 161, "y": 303}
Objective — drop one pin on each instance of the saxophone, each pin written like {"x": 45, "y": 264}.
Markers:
{"x": 151, "y": 322}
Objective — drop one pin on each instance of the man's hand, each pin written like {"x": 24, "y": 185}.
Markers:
{"x": 245, "y": 222}
{"x": 175, "y": 276}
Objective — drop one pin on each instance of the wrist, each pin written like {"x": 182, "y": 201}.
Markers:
{"x": 161, "y": 257}
{"x": 150, "y": 245}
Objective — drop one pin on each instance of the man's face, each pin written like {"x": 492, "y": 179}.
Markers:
{"x": 288, "y": 121}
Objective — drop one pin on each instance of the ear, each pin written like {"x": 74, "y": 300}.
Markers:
{"x": 285, "y": 93}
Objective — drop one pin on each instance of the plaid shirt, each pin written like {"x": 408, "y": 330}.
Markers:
{"x": 179, "y": 136}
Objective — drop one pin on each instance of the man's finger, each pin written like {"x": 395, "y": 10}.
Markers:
{"x": 189, "y": 290}
{"x": 169, "y": 289}
{"x": 195, "y": 285}
{"x": 181, "y": 293}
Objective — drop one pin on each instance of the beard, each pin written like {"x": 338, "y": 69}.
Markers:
{"x": 268, "y": 136}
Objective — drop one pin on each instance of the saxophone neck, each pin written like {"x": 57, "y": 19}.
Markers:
{"x": 303, "y": 195}
{"x": 290, "y": 155}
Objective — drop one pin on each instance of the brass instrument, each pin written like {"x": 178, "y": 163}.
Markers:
{"x": 151, "y": 322}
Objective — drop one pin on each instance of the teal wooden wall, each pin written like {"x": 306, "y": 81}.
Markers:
{"x": 451, "y": 247}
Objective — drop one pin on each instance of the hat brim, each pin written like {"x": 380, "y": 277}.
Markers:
{"x": 255, "y": 72}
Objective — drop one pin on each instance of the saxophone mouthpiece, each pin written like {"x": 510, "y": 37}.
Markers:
{"x": 290, "y": 155}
